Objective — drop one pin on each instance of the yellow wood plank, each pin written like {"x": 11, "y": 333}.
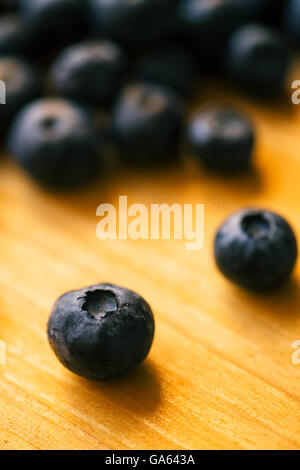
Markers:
{"x": 220, "y": 373}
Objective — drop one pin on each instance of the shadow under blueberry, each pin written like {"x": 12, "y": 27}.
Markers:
{"x": 281, "y": 305}
{"x": 245, "y": 182}
{"x": 137, "y": 392}
{"x": 280, "y": 105}
{"x": 121, "y": 181}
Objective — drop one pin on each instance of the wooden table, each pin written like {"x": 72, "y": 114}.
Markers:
{"x": 220, "y": 374}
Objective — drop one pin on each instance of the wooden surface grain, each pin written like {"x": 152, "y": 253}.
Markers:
{"x": 220, "y": 373}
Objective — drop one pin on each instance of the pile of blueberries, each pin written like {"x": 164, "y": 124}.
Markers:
{"x": 138, "y": 63}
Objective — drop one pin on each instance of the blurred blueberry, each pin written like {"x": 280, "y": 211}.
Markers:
{"x": 15, "y": 37}
{"x": 264, "y": 10}
{"x": 52, "y": 21}
{"x": 291, "y": 20}
{"x": 134, "y": 23}
{"x": 222, "y": 138}
{"x": 56, "y": 143}
{"x": 90, "y": 72}
{"x": 146, "y": 124}
{"x": 8, "y": 5}
{"x": 257, "y": 59}
{"x": 172, "y": 65}
{"x": 209, "y": 23}
{"x": 22, "y": 84}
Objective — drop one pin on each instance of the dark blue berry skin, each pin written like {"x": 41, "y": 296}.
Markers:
{"x": 90, "y": 72}
{"x": 291, "y": 20}
{"x": 171, "y": 65}
{"x": 101, "y": 331}
{"x": 146, "y": 124}
{"x": 264, "y": 10}
{"x": 221, "y": 138}
{"x": 257, "y": 59}
{"x": 209, "y": 23}
{"x": 256, "y": 8}
{"x": 56, "y": 143}
{"x": 133, "y": 23}
{"x": 15, "y": 38}
{"x": 8, "y": 5}
{"x": 22, "y": 82}
{"x": 53, "y": 20}
{"x": 256, "y": 249}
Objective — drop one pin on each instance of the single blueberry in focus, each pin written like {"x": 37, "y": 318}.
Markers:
{"x": 291, "y": 20}
{"x": 101, "y": 331}
{"x": 56, "y": 143}
{"x": 171, "y": 65}
{"x": 133, "y": 23}
{"x": 21, "y": 84}
{"x": 209, "y": 23}
{"x": 146, "y": 124}
{"x": 256, "y": 249}
{"x": 222, "y": 138}
{"x": 257, "y": 59}
{"x": 53, "y": 20}
{"x": 90, "y": 72}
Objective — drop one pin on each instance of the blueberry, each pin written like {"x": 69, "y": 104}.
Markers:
{"x": 22, "y": 84}
{"x": 133, "y": 23}
{"x": 101, "y": 331}
{"x": 8, "y": 5}
{"x": 55, "y": 141}
{"x": 146, "y": 124}
{"x": 53, "y": 20}
{"x": 90, "y": 72}
{"x": 256, "y": 249}
{"x": 171, "y": 65}
{"x": 256, "y": 8}
{"x": 257, "y": 59}
{"x": 264, "y": 10}
{"x": 208, "y": 23}
{"x": 291, "y": 20}
{"x": 222, "y": 139}
{"x": 15, "y": 38}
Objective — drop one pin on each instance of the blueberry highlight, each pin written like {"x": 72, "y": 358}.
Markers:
{"x": 89, "y": 72}
{"x": 15, "y": 38}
